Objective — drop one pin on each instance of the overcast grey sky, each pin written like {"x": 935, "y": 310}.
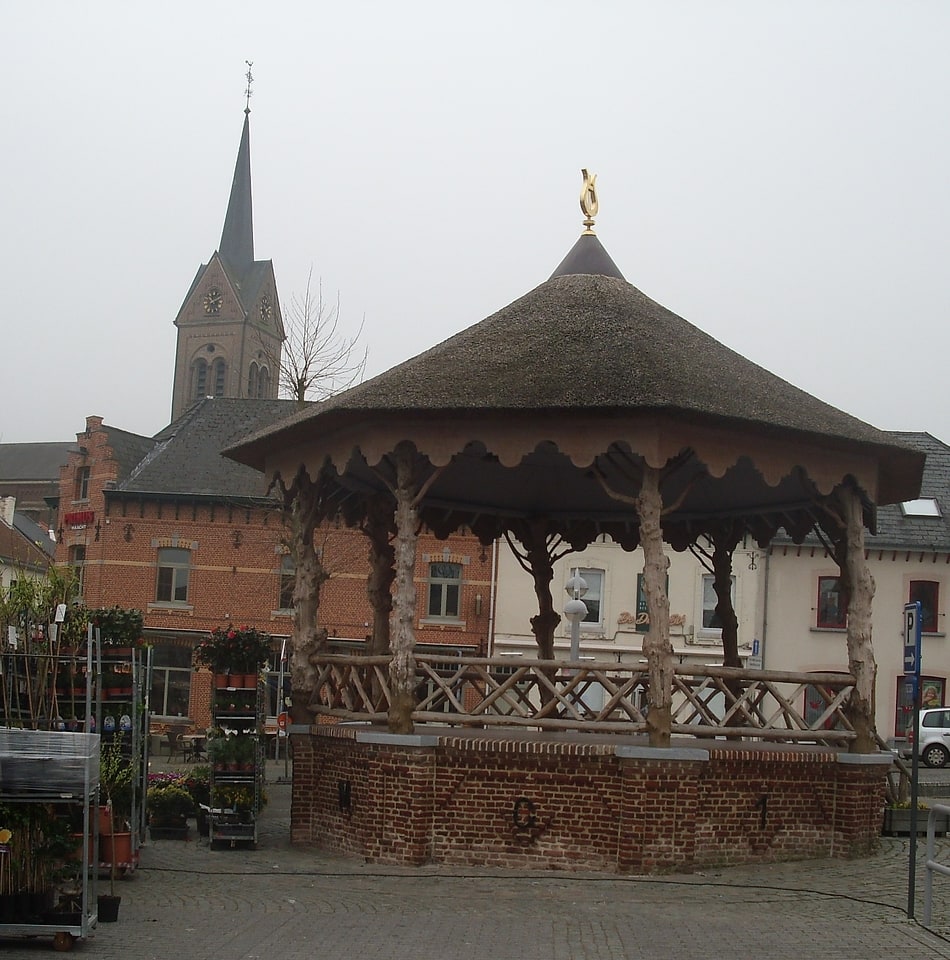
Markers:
{"x": 774, "y": 172}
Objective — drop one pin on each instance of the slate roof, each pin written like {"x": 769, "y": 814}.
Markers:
{"x": 25, "y": 544}
{"x": 34, "y": 461}
{"x": 129, "y": 449}
{"x": 925, "y": 533}
{"x": 33, "y": 532}
{"x": 185, "y": 460}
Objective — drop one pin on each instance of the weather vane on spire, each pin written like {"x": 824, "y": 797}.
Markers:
{"x": 247, "y": 92}
{"x": 589, "y": 200}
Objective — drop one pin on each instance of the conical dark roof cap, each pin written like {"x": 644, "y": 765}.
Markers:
{"x": 588, "y": 256}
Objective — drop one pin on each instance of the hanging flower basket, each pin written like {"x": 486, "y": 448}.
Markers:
{"x": 235, "y": 650}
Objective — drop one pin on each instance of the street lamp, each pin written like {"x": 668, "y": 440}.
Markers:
{"x": 575, "y": 610}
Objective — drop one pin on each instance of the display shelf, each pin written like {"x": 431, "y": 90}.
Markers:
{"x": 236, "y": 754}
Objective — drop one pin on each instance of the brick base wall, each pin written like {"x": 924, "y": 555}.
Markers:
{"x": 514, "y": 800}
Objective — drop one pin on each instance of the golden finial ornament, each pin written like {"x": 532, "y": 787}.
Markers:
{"x": 589, "y": 200}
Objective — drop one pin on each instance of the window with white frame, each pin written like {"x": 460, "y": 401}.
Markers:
{"x": 445, "y": 590}
{"x": 174, "y": 566}
{"x": 710, "y": 624}
{"x": 594, "y": 596}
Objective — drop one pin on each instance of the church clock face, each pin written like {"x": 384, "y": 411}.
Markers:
{"x": 212, "y": 301}
{"x": 266, "y": 309}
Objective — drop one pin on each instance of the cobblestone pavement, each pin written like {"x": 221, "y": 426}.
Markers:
{"x": 284, "y": 903}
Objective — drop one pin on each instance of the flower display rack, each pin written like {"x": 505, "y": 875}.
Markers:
{"x": 236, "y": 756}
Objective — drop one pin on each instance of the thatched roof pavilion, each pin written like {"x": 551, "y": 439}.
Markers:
{"x": 555, "y": 409}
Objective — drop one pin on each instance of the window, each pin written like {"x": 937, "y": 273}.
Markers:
{"x": 925, "y": 507}
{"x": 171, "y": 680}
{"x": 200, "y": 375}
{"x": 252, "y": 381}
{"x": 174, "y": 565}
{"x": 595, "y": 588}
{"x": 711, "y": 624}
{"x": 219, "y": 370}
{"x": 263, "y": 386}
{"x": 288, "y": 578}
{"x": 928, "y": 593}
{"x": 77, "y": 560}
{"x": 832, "y": 605}
{"x": 445, "y": 588}
{"x": 82, "y": 483}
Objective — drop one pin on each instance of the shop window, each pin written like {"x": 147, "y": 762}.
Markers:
{"x": 928, "y": 593}
{"x": 174, "y": 566}
{"x": 832, "y": 605}
{"x": 932, "y": 694}
{"x": 171, "y": 680}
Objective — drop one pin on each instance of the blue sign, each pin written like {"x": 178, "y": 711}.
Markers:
{"x": 912, "y": 639}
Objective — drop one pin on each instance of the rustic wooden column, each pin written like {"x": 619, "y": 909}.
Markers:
{"x": 402, "y": 667}
{"x": 861, "y": 662}
{"x": 303, "y": 511}
{"x": 378, "y": 528}
{"x": 656, "y": 642}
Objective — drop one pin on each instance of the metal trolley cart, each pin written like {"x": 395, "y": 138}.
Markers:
{"x": 49, "y": 787}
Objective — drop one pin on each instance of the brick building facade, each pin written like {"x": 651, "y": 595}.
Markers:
{"x": 168, "y": 526}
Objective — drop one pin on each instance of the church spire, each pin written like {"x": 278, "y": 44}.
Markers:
{"x": 237, "y": 238}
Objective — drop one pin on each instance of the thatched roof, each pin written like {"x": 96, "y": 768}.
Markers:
{"x": 586, "y": 369}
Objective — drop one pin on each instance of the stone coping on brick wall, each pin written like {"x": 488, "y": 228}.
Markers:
{"x": 578, "y": 743}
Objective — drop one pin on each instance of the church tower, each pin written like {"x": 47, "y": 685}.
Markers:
{"x": 230, "y": 332}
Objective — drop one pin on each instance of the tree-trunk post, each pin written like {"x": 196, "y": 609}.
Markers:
{"x": 861, "y": 662}
{"x": 307, "y": 639}
{"x": 378, "y": 527}
{"x": 656, "y": 642}
{"x": 402, "y": 666}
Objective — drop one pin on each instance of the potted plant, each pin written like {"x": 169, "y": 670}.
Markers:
{"x": 198, "y": 783}
{"x": 244, "y": 749}
{"x": 169, "y": 806}
{"x": 221, "y": 751}
{"x": 117, "y": 781}
{"x": 898, "y": 814}
{"x": 239, "y": 651}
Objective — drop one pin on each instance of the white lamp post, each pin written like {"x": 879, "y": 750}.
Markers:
{"x": 575, "y": 610}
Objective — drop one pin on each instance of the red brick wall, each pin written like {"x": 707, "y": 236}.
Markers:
{"x": 567, "y": 805}
{"x": 236, "y": 559}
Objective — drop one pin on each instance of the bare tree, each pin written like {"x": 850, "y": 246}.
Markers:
{"x": 317, "y": 360}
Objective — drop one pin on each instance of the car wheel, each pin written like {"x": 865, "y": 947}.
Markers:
{"x": 935, "y": 755}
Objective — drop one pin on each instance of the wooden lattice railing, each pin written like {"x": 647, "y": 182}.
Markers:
{"x": 597, "y": 697}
